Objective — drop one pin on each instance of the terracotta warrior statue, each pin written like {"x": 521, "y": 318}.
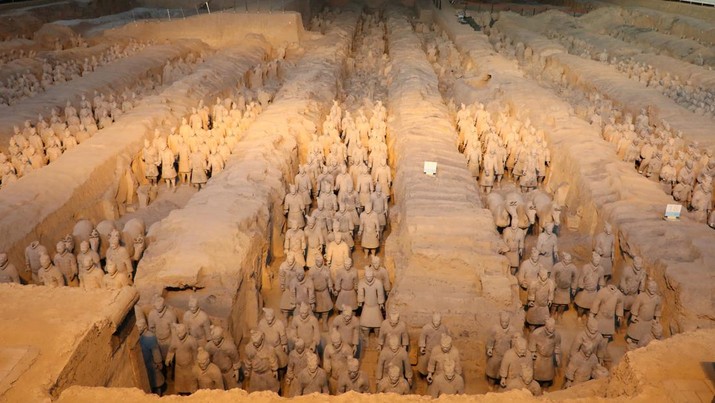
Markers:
{"x": 353, "y": 379}
{"x": 371, "y": 297}
{"x": 429, "y": 339}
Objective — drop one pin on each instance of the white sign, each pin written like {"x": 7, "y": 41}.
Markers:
{"x": 672, "y": 211}
{"x": 430, "y": 168}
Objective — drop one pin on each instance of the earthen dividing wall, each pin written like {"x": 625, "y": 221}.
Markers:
{"x": 443, "y": 244}
{"x": 605, "y": 188}
{"x": 64, "y": 337}
{"x": 221, "y": 242}
{"x": 306, "y": 8}
{"x": 219, "y": 29}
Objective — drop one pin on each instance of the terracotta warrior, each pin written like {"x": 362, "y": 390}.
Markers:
{"x": 370, "y": 231}
{"x": 565, "y": 276}
{"x": 632, "y": 283}
{"x": 48, "y": 274}
{"x": 305, "y": 326}
{"x": 312, "y": 379}
{"x": 294, "y": 208}
{"x": 581, "y": 365}
{"x": 656, "y": 333}
{"x": 345, "y": 216}
{"x": 150, "y": 158}
{"x": 394, "y": 354}
{"x": 315, "y": 242}
{"x": 441, "y": 353}
{"x": 182, "y": 352}
{"x": 371, "y": 297}
{"x": 85, "y": 250}
{"x": 590, "y": 334}
{"x": 199, "y": 169}
{"x": 645, "y": 310}
{"x": 348, "y": 326}
{"x": 449, "y": 382}
{"x": 286, "y": 275}
{"x": 545, "y": 347}
{"x": 114, "y": 280}
{"x": 206, "y": 373}
{"x": 151, "y": 354}
{"x": 119, "y": 256}
{"x": 197, "y": 322}
{"x": 302, "y": 289}
{"x": 513, "y": 237}
{"x": 381, "y": 274}
{"x": 224, "y": 354}
{"x": 393, "y": 326}
{"x": 323, "y": 284}
{"x": 94, "y": 240}
{"x": 336, "y": 253}
{"x": 8, "y": 271}
{"x": 429, "y": 339}
{"x": 513, "y": 362}
{"x": 525, "y": 381}
{"x": 160, "y": 321}
{"x": 295, "y": 243}
{"x": 66, "y": 262}
{"x": 91, "y": 276}
{"x": 275, "y": 336}
{"x": 528, "y": 272}
{"x": 380, "y": 205}
{"x": 607, "y": 308}
{"x": 547, "y": 244}
{"x": 489, "y": 168}
{"x": 589, "y": 281}
{"x": 297, "y": 362}
{"x": 353, "y": 380}
{"x": 32, "y": 259}
{"x": 394, "y": 382}
{"x": 605, "y": 243}
{"x": 335, "y": 359}
{"x": 346, "y": 284}
{"x": 304, "y": 184}
{"x": 261, "y": 364}
{"x": 498, "y": 343}
{"x": 168, "y": 171}
{"x": 540, "y": 297}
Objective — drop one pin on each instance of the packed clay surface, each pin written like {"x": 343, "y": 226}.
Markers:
{"x": 53, "y": 338}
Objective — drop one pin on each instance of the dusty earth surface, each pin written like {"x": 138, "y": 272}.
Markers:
{"x": 52, "y": 338}
{"x": 224, "y": 243}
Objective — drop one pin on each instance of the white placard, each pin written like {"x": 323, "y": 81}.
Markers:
{"x": 672, "y": 211}
{"x": 430, "y": 168}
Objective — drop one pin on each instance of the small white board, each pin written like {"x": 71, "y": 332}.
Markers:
{"x": 430, "y": 168}
{"x": 672, "y": 212}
